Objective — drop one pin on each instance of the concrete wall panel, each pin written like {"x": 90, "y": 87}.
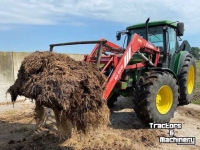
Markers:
{"x": 77, "y": 57}
{"x": 6, "y": 73}
{"x": 17, "y": 60}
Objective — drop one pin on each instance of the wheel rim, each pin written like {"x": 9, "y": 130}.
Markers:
{"x": 164, "y": 99}
{"x": 190, "y": 80}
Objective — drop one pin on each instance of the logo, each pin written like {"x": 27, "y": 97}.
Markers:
{"x": 172, "y": 138}
{"x": 127, "y": 58}
{"x": 118, "y": 73}
{"x": 139, "y": 40}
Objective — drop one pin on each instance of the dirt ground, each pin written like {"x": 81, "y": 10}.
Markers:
{"x": 17, "y": 130}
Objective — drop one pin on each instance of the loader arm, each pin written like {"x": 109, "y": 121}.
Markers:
{"x": 137, "y": 44}
{"x": 116, "y": 58}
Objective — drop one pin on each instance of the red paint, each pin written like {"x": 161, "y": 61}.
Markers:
{"x": 120, "y": 63}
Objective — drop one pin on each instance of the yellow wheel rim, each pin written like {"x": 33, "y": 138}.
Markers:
{"x": 164, "y": 99}
{"x": 190, "y": 80}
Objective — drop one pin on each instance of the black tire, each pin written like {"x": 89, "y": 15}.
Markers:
{"x": 145, "y": 97}
{"x": 185, "y": 96}
{"x": 112, "y": 99}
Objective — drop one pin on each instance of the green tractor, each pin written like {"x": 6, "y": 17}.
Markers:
{"x": 153, "y": 68}
{"x": 158, "y": 90}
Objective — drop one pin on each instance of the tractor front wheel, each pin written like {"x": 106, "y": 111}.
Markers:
{"x": 156, "y": 97}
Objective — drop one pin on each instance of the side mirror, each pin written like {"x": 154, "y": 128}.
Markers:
{"x": 180, "y": 29}
{"x": 118, "y": 36}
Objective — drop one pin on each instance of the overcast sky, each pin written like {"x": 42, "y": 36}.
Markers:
{"x": 29, "y": 25}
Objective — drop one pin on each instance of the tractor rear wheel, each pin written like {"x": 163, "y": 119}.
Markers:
{"x": 156, "y": 97}
{"x": 112, "y": 99}
{"x": 187, "y": 80}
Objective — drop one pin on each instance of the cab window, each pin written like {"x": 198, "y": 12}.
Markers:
{"x": 172, "y": 40}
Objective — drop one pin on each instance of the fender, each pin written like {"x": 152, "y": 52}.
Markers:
{"x": 166, "y": 70}
{"x": 177, "y": 61}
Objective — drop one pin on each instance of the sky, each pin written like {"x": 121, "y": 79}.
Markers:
{"x": 30, "y": 25}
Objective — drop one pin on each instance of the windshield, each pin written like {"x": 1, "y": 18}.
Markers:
{"x": 155, "y": 35}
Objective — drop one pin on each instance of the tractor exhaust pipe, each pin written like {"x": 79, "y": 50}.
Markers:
{"x": 147, "y": 28}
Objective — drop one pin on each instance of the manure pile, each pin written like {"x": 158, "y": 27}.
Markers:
{"x": 71, "y": 88}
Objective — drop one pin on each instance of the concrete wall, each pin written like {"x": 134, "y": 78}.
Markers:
{"x": 18, "y": 57}
{"x": 10, "y": 63}
{"x": 6, "y": 73}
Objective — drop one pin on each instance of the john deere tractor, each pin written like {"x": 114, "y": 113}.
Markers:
{"x": 160, "y": 88}
{"x": 153, "y": 68}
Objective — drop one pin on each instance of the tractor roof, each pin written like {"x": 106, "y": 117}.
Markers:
{"x": 155, "y": 23}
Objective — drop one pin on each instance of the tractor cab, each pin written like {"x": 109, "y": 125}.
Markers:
{"x": 163, "y": 34}
{"x": 162, "y": 79}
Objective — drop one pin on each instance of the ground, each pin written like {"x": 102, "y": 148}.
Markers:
{"x": 17, "y": 130}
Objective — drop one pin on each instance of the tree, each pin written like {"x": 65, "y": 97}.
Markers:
{"x": 195, "y": 51}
